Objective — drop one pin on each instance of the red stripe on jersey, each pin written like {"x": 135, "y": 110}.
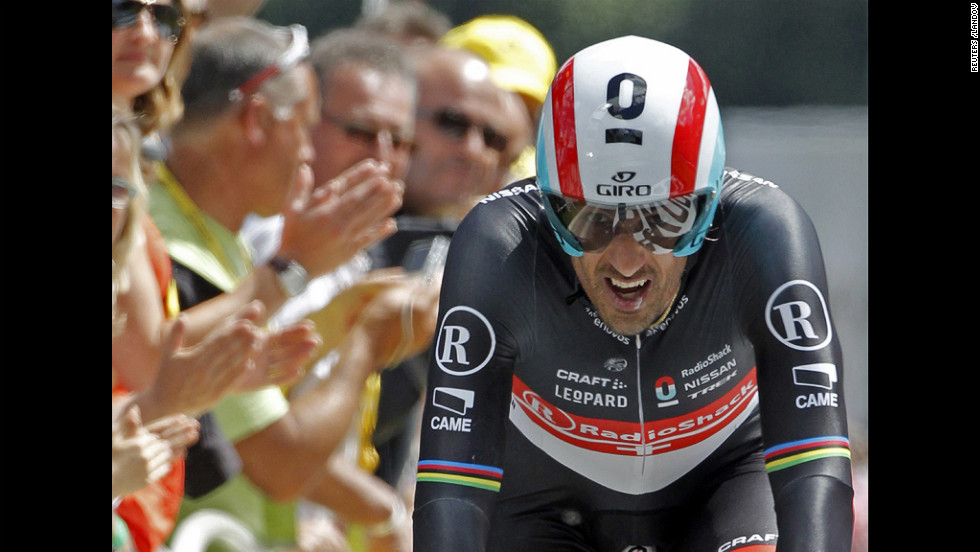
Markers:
{"x": 563, "y": 121}
{"x": 629, "y": 438}
{"x": 687, "y": 133}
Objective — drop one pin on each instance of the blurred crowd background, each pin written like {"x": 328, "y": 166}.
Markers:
{"x": 756, "y": 52}
{"x": 792, "y": 84}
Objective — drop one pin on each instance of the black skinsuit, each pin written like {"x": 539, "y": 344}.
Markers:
{"x": 544, "y": 430}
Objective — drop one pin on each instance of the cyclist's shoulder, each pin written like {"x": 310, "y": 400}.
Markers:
{"x": 523, "y": 193}
{"x": 515, "y": 205}
{"x": 747, "y": 196}
{"x": 759, "y": 219}
{"x": 738, "y": 185}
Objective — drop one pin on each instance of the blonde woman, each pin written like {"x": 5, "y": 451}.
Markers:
{"x": 150, "y": 56}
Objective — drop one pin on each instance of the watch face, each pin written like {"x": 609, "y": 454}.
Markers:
{"x": 293, "y": 279}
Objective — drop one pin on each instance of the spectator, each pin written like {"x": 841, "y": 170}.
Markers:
{"x": 368, "y": 94}
{"x": 141, "y": 455}
{"x": 523, "y": 63}
{"x": 520, "y": 57}
{"x": 150, "y": 53}
{"x": 458, "y": 146}
{"x": 243, "y": 147}
{"x": 516, "y": 125}
{"x": 408, "y": 22}
{"x": 191, "y": 379}
{"x": 143, "y": 514}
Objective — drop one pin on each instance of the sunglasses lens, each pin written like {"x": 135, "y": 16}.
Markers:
{"x": 457, "y": 125}
{"x": 657, "y": 227}
{"x": 167, "y": 19}
{"x": 125, "y": 13}
{"x": 494, "y": 140}
{"x": 593, "y": 228}
{"x": 453, "y": 124}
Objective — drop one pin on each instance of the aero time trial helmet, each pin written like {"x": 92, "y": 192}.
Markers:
{"x": 630, "y": 139}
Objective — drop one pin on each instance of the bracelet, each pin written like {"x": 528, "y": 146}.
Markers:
{"x": 388, "y": 526}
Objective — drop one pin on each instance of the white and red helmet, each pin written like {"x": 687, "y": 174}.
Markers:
{"x": 630, "y": 128}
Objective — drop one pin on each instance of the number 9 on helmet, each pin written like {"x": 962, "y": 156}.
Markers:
{"x": 630, "y": 130}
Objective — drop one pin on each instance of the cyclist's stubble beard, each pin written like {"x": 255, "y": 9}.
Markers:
{"x": 629, "y": 310}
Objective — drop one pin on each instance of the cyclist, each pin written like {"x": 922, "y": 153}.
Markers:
{"x": 635, "y": 350}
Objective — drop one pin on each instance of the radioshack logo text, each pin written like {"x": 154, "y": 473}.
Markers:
{"x": 632, "y": 438}
{"x": 465, "y": 342}
{"x": 797, "y": 315}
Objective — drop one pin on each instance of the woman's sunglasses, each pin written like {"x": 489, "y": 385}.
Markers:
{"x": 168, "y": 20}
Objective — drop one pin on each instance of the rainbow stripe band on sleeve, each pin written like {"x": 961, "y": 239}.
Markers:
{"x": 794, "y": 453}
{"x": 459, "y": 473}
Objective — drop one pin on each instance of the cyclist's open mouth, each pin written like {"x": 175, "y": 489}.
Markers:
{"x": 627, "y": 295}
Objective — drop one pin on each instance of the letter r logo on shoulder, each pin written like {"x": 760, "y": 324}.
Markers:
{"x": 465, "y": 342}
{"x": 797, "y": 315}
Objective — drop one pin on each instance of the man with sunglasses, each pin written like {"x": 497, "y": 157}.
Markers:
{"x": 457, "y": 145}
{"x": 635, "y": 349}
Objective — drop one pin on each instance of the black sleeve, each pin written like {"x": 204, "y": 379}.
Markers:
{"x": 450, "y": 520}
{"x": 814, "y": 514}
{"x": 784, "y": 306}
{"x": 469, "y": 387}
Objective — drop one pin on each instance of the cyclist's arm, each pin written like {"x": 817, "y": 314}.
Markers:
{"x": 468, "y": 395}
{"x": 785, "y": 307}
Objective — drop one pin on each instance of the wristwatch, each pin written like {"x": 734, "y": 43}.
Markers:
{"x": 290, "y": 275}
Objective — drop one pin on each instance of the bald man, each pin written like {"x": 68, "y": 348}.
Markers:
{"x": 459, "y": 141}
